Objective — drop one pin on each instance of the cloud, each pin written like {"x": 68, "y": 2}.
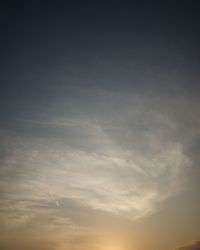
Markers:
{"x": 120, "y": 157}
{"x": 194, "y": 245}
{"x": 125, "y": 180}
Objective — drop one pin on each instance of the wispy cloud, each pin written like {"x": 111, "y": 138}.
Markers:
{"x": 194, "y": 245}
{"x": 123, "y": 179}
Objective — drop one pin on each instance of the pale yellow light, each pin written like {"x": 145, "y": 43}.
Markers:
{"x": 112, "y": 248}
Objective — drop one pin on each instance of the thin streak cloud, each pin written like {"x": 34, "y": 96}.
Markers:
{"x": 119, "y": 178}
{"x": 194, "y": 245}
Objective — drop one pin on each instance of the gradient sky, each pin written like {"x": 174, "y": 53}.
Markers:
{"x": 100, "y": 126}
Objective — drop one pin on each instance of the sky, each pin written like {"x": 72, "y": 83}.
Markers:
{"x": 99, "y": 125}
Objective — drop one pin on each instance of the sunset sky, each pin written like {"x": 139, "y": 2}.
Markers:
{"x": 100, "y": 125}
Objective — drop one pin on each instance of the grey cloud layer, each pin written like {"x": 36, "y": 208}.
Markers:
{"x": 121, "y": 153}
